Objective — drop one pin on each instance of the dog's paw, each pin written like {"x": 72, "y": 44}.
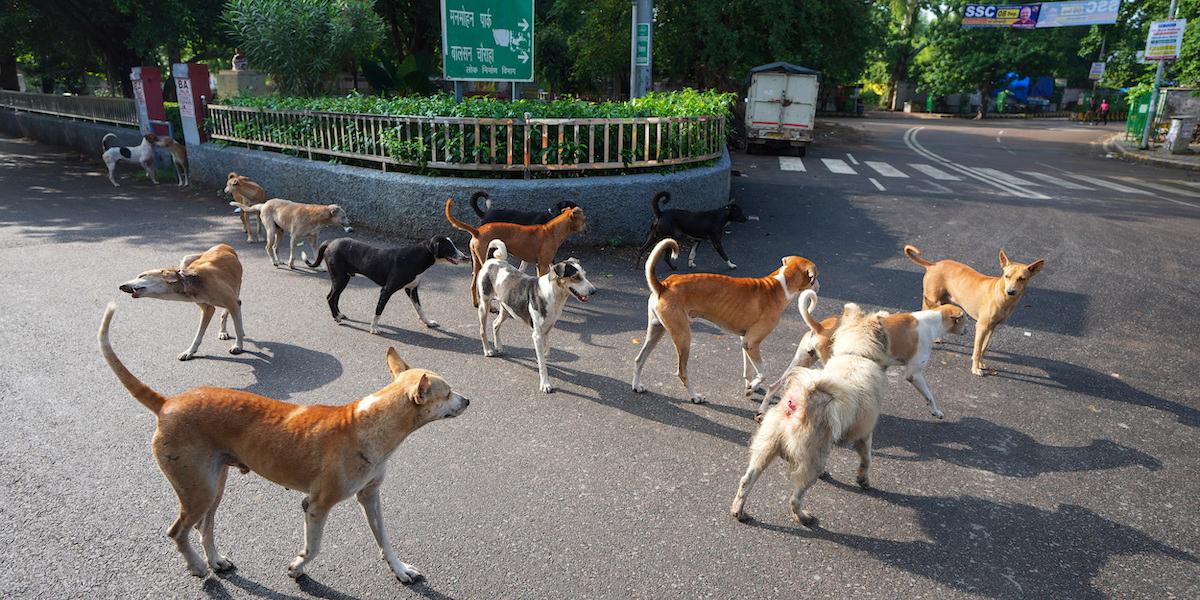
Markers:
{"x": 186, "y": 355}
{"x": 698, "y": 399}
{"x": 546, "y": 388}
{"x": 691, "y": 265}
{"x": 433, "y": 324}
{"x": 223, "y": 335}
{"x": 406, "y": 573}
{"x": 197, "y": 568}
{"x": 825, "y": 475}
{"x": 738, "y": 514}
{"x": 730, "y": 265}
{"x": 374, "y": 331}
{"x": 804, "y": 518}
{"x": 221, "y": 564}
{"x": 638, "y": 388}
{"x": 339, "y": 318}
{"x": 937, "y": 414}
{"x": 863, "y": 482}
{"x": 236, "y": 350}
{"x": 296, "y": 569}
{"x": 982, "y": 370}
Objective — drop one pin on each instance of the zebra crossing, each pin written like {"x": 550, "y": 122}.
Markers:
{"x": 1036, "y": 183}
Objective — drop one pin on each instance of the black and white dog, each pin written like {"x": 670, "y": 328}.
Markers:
{"x": 520, "y": 217}
{"x": 695, "y": 225}
{"x": 393, "y": 269}
{"x": 142, "y": 154}
{"x": 538, "y": 301}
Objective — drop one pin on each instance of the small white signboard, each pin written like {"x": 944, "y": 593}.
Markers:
{"x": 1165, "y": 39}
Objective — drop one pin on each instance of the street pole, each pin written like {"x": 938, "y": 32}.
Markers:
{"x": 1150, "y": 116}
{"x": 633, "y": 70}
{"x": 639, "y": 75}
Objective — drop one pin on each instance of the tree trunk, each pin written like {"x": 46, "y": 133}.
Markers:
{"x": 984, "y": 90}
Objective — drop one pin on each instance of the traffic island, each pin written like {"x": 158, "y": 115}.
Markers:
{"x": 1155, "y": 156}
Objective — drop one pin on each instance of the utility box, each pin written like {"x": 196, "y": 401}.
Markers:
{"x": 781, "y": 106}
{"x": 1180, "y": 134}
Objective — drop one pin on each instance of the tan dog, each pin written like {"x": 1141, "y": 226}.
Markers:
{"x": 328, "y": 452}
{"x": 536, "y": 244}
{"x": 246, "y": 193}
{"x": 211, "y": 280}
{"x": 910, "y": 343}
{"x": 178, "y": 158}
{"x": 745, "y": 306}
{"x": 302, "y": 222}
{"x": 989, "y": 300}
{"x": 835, "y": 405}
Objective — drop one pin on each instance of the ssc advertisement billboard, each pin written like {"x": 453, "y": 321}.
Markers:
{"x": 1014, "y": 16}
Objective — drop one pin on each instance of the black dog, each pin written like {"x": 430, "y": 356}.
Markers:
{"x": 392, "y": 268}
{"x": 694, "y": 225}
{"x": 520, "y": 217}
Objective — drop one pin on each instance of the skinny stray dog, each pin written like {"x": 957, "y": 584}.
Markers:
{"x": 328, "y": 452}
{"x": 246, "y": 193}
{"x": 211, "y": 280}
{"x": 302, "y": 222}
{"x": 910, "y": 344}
{"x": 696, "y": 226}
{"x": 744, "y": 306}
{"x": 509, "y": 215}
{"x": 538, "y": 301}
{"x": 393, "y": 269}
{"x": 179, "y": 158}
{"x": 142, "y": 154}
{"x": 989, "y": 300}
{"x": 530, "y": 243}
{"x": 838, "y": 404}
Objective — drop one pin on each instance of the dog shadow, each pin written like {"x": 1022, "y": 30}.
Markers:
{"x": 998, "y": 549}
{"x": 275, "y": 365}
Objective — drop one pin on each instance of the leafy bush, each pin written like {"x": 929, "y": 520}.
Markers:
{"x": 303, "y": 43}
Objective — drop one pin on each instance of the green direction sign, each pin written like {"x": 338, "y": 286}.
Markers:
{"x": 642, "y": 58}
{"x": 487, "y": 40}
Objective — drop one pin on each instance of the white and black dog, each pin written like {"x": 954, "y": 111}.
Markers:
{"x": 509, "y": 215}
{"x": 538, "y": 301}
{"x": 394, "y": 269}
{"x": 142, "y": 154}
{"x": 696, "y": 226}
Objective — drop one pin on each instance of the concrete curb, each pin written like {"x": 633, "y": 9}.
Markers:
{"x": 1112, "y": 144}
{"x": 81, "y": 136}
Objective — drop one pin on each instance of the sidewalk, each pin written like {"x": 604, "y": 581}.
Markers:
{"x": 1156, "y": 156}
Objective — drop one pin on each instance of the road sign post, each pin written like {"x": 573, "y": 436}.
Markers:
{"x": 641, "y": 48}
{"x": 1152, "y": 49}
{"x": 487, "y": 40}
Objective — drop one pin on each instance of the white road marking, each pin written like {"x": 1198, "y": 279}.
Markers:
{"x": 878, "y": 185}
{"x": 851, "y": 157}
{"x": 885, "y": 169}
{"x": 838, "y": 166}
{"x": 1154, "y": 185}
{"x": 1062, "y": 183}
{"x": 1006, "y": 177}
{"x": 791, "y": 163}
{"x": 934, "y": 172}
{"x": 1110, "y": 185}
{"x": 910, "y": 140}
{"x": 1195, "y": 184}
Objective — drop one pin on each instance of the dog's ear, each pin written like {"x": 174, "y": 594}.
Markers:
{"x": 396, "y": 365}
{"x": 232, "y": 175}
{"x": 170, "y": 276}
{"x": 564, "y": 269}
{"x": 333, "y": 209}
{"x": 421, "y": 389}
{"x": 1036, "y": 265}
{"x": 1003, "y": 259}
{"x": 851, "y": 310}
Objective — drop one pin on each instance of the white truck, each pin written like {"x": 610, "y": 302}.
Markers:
{"x": 780, "y": 106}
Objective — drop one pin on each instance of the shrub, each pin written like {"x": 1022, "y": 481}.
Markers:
{"x": 302, "y": 44}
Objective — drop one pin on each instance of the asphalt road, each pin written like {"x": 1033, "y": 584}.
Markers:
{"x": 1072, "y": 473}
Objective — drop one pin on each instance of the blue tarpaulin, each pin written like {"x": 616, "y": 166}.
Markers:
{"x": 1021, "y": 88}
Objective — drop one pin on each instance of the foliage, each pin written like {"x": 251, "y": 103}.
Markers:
{"x": 303, "y": 43}
{"x": 1127, "y": 37}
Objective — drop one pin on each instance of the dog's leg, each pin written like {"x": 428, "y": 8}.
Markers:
{"x": 646, "y": 245}
{"x": 810, "y": 465}
{"x": 752, "y": 353}
{"x": 237, "y": 329}
{"x": 149, "y": 167}
{"x": 692, "y": 255}
{"x": 112, "y": 168}
{"x": 983, "y": 335}
{"x": 206, "y": 313}
{"x": 654, "y": 333}
{"x": 522, "y": 266}
{"x": 246, "y": 225}
{"x": 314, "y": 525}
{"x": 385, "y": 294}
{"x": 716, "y": 242}
{"x": 476, "y": 265}
{"x": 196, "y": 489}
{"x": 272, "y": 237}
{"x": 917, "y": 379}
{"x": 541, "y": 346}
{"x": 311, "y": 243}
{"x": 337, "y": 285}
{"x": 368, "y": 498}
{"x": 414, "y": 295}
{"x": 484, "y": 309}
{"x": 292, "y": 250}
{"x": 761, "y": 455}
{"x": 205, "y": 527}
{"x": 222, "y": 333}
{"x": 863, "y": 447}
{"x": 681, "y": 334}
{"x": 501, "y": 317}
{"x": 799, "y": 356}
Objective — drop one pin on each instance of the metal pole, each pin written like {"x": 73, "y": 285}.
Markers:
{"x": 645, "y": 16}
{"x": 1150, "y": 110}
{"x": 516, "y": 92}
{"x": 633, "y": 70}
{"x": 457, "y": 92}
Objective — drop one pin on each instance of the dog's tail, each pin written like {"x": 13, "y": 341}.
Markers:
{"x": 249, "y": 208}
{"x": 104, "y": 141}
{"x": 651, "y": 279}
{"x": 140, "y": 391}
{"x": 915, "y": 255}
{"x": 320, "y": 256}
{"x": 459, "y": 225}
{"x": 659, "y": 198}
{"x": 497, "y": 250}
{"x": 807, "y": 302}
{"x": 475, "y": 202}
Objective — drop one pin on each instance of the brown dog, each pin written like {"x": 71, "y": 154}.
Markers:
{"x": 745, "y": 306}
{"x": 211, "y": 280}
{"x": 301, "y": 221}
{"x": 328, "y": 452}
{"x": 989, "y": 300}
{"x": 178, "y": 158}
{"x": 246, "y": 193}
{"x": 536, "y": 244}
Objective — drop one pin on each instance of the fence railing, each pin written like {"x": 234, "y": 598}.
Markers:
{"x": 475, "y": 144}
{"x": 121, "y": 111}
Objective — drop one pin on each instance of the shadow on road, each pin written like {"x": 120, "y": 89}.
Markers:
{"x": 283, "y": 369}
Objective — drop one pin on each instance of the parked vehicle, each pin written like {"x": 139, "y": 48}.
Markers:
{"x": 781, "y": 106}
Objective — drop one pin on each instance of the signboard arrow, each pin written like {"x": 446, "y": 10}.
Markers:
{"x": 523, "y": 24}
{"x": 523, "y": 57}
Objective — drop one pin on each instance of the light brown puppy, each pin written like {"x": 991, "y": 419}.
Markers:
{"x": 989, "y": 300}
{"x": 744, "y": 306}
{"x": 211, "y": 280}
{"x": 535, "y": 244}
{"x": 328, "y": 452}
{"x": 246, "y": 193}
{"x": 178, "y": 157}
{"x": 301, "y": 221}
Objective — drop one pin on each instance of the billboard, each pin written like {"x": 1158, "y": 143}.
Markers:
{"x": 1097, "y": 72}
{"x": 1083, "y": 12}
{"x": 1165, "y": 39}
{"x": 1014, "y": 16}
{"x": 487, "y": 40}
